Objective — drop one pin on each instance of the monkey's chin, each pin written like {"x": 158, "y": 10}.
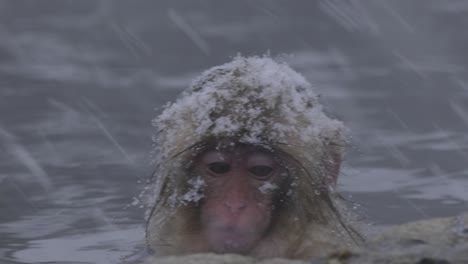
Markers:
{"x": 231, "y": 241}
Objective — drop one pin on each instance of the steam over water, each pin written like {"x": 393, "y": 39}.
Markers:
{"x": 80, "y": 81}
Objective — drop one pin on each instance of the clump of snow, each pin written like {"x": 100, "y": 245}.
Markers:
{"x": 267, "y": 187}
{"x": 195, "y": 192}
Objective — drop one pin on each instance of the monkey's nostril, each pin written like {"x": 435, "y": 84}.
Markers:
{"x": 235, "y": 206}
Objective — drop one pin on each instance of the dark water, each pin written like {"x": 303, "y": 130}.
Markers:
{"x": 81, "y": 80}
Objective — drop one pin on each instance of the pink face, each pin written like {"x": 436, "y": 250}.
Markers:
{"x": 237, "y": 209}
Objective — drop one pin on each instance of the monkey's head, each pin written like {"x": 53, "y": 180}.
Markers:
{"x": 245, "y": 152}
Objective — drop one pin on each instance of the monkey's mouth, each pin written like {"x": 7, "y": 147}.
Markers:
{"x": 231, "y": 240}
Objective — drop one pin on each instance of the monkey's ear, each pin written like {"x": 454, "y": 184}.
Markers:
{"x": 334, "y": 147}
{"x": 334, "y": 166}
{"x": 333, "y": 158}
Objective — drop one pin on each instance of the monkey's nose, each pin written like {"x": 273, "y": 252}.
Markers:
{"x": 235, "y": 206}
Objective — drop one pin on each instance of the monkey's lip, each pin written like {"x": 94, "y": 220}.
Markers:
{"x": 232, "y": 235}
{"x": 232, "y": 240}
{"x": 230, "y": 229}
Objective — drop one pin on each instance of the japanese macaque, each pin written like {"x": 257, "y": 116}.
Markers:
{"x": 247, "y": 163}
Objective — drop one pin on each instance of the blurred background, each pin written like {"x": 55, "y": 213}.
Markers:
{"x": 80, "y": 82}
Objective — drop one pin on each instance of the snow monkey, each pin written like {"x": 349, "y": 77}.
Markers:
{"x": 247, "y": 163}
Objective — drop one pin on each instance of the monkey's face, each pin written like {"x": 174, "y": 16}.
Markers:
{"x": 237, "y": 207}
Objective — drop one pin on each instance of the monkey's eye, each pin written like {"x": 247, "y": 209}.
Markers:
{"x": 219, "y": 167}
{"x": 261, "y": 171}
